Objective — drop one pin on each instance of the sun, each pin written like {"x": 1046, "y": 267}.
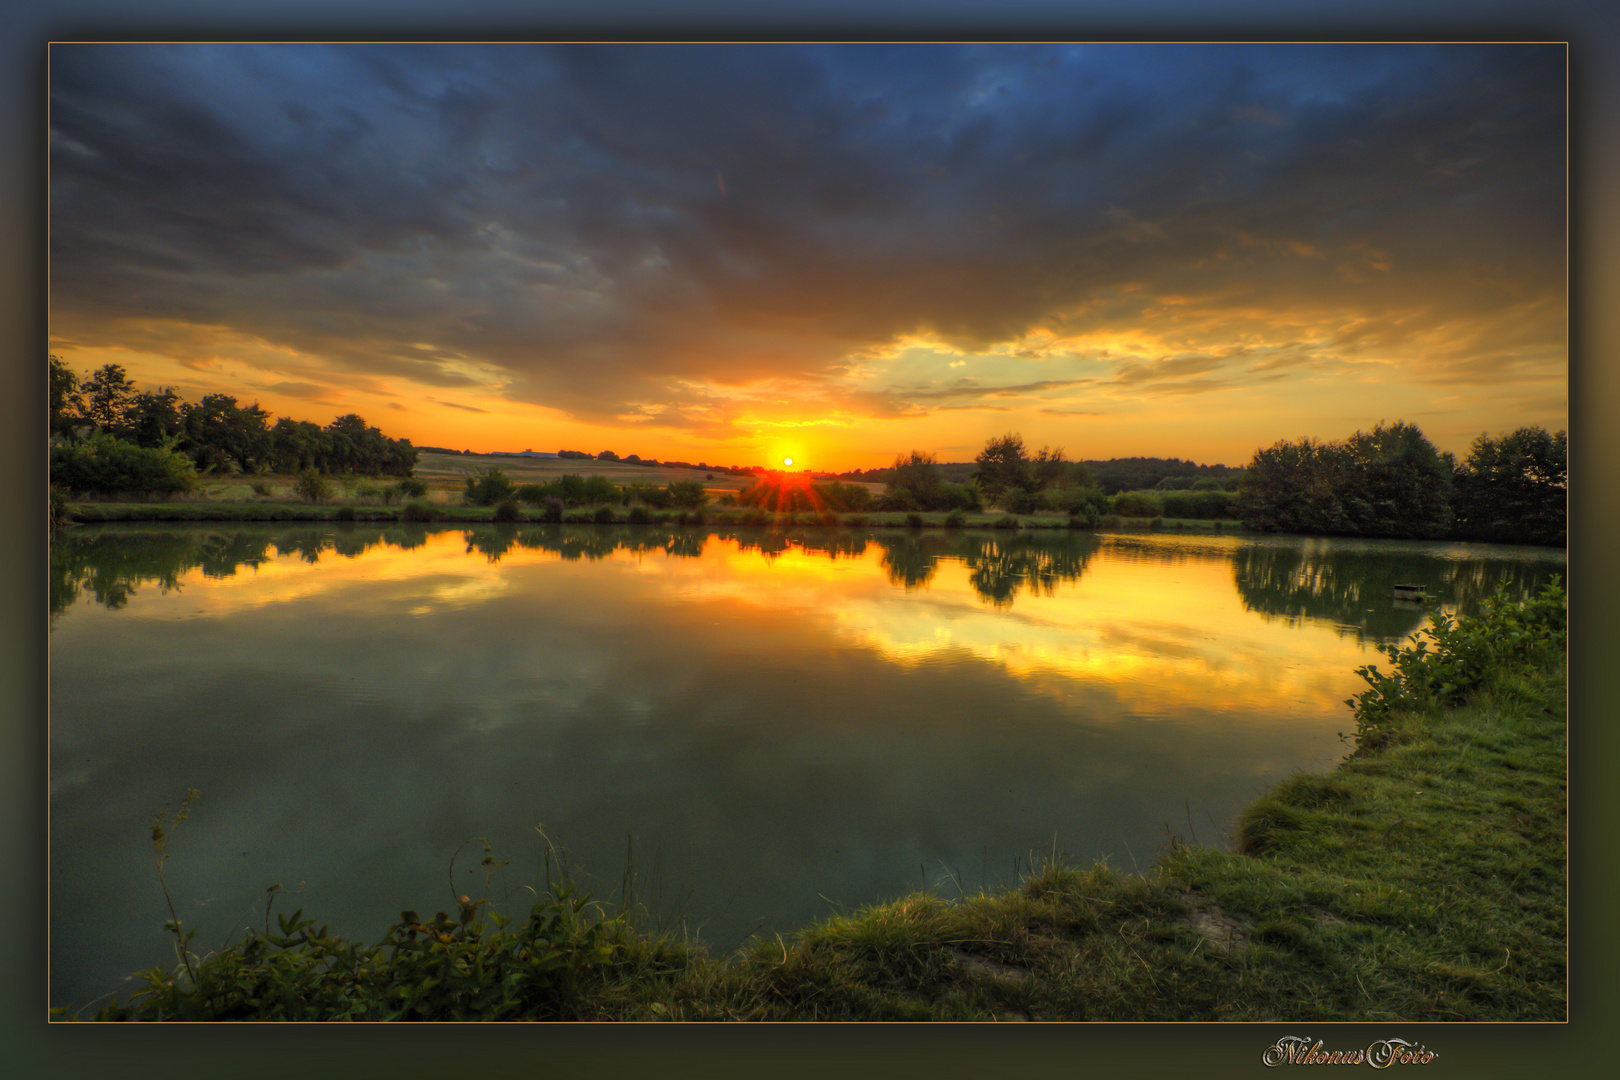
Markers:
{"x": 787, "y": 463}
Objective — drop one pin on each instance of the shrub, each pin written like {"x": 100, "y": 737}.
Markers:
{"x": 1464, "y": 652}
{"x": 470, "y": 967}
{"x": 59, "y": 511}
{"x": 914, "y": 521}
{"x": 486, "y": 487}
{"x": 1027, "y": 502}
{"x": 311, "y": 486}
{"x": 412, "y": 488}
{"x": 1138, "y": 504}
{"x": 551, "y": 510}
{"x": 261, "y": 488}
{"x": 345, "y": 513}
{"x": 855, "y": 521}
{"x": 507, "y": 510}
{"x": 603, "y": 515}
{"x": 417, "y": 510}
{"x": 103, "y": 465}
{"x": 533, "y": 494}
{"x": 955, "y": 519}
{"x": 1005, "y": 521}
{"x": 638, "y": 515}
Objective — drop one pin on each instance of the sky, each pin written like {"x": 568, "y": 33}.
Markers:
{"x": 838, "y": 253}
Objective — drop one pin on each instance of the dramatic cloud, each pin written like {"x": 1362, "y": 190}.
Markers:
{"x": 704, "y": 238}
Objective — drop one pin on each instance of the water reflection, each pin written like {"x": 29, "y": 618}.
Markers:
{"x": 781, "y": 715}
{"x": 1350, "y": 584}
{"x": 111, "y": 565}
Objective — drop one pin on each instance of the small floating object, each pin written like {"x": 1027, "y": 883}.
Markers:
{"x": 1410, "y": 592}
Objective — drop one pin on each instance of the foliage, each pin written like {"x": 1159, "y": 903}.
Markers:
{"x": 66, "y": 397}
{"x": 573, "y": 489}
{"x": 1388, "y": 482}
{"x": 486, "y": 487}
{"x": 474, "y": 965}
{"x": 105, "y": 465}
{"x": 507, "y": 511}
{"x": 1206, "y": 503}
{"x": 1514, "y": 488}
{"x": 417, "y": 510}
{"x": 603, "y": 515}
{"x": 914, "y": 482}
{"x": 1464, "y": 652}
{"x": 261, "y": 488}
{"x": 218, "y": 433}
{"x": 311, "y": 486}
{"x": 412, "y": 488}
{"x": 1003, "y": 467}
{"x": 1142, "y": 504}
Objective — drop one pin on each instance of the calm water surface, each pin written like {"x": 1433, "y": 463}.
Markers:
{"x": 768, "y": 726}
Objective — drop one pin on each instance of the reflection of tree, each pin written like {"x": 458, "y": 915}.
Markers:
{"x": 492, "y": 542}
{"x": 1351, "y": 583}
{"x": 111, "y": 565}
{"x": 909, "y": 560}
{"x": 1000, "y": 565}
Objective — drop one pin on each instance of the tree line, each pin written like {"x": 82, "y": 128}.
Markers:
{"x": 1392, "y": 482}
{"x": 109, "y": 436}
{"x": 1387, "y": 482}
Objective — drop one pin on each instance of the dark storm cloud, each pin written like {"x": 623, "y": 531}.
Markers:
{"x": 594, "y": 226}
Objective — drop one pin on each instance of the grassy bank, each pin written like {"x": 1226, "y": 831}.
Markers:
{"x": 1424, "y": 879}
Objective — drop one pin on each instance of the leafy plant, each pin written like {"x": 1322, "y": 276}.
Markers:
{"x": 1462, "y": 654}
{"x": 311, "y": 486}
{"x": 490, "y": 486}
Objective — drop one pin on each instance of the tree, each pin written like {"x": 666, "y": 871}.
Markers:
{"x": 155, "y": 419}
{"x": 1003, "y": 467}
{"x": 1514, "y": 488}
{"x": 107, "y": 396}
{"x": 915, "y": 481}
{"x": 66, "y": 397}
{"x": 220, "y": 433}
{"x": 1396, "y": 484}
{"x": 1388, "y": 482}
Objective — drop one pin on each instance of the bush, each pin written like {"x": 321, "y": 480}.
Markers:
{"x": 955, "y": 519}
{"x": 417, "y": 510}
{"x": 471, "y": 967}
{"x": 1005, "y": 521}
{"x": 1026, "y": 502}
{"x": 551, "y": 510}
{"x": 1465, "y": 650}
{"x": 914, "y": 521}
{"x": 412, "y": 488}
{"x": 1137, "y": 504}
{"x": 311, "y": 486}
{"x": 486, "y": 487}
{"x": 638, "y": 515}
{"x": 345, "y": 513}
{"x": 603, "y": 515}
{"x": 507, "y": 511}
{"x": 103, "y": 465}
{"x": 261, "y": 488}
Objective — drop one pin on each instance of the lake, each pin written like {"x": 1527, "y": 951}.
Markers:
{"x": 766, "y": 725}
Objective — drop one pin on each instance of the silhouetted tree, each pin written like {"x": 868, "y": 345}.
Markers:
{"x": 1514, "y": 488}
